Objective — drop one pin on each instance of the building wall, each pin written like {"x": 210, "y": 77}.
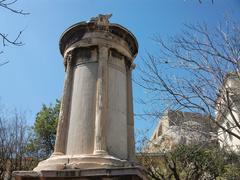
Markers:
{"x": 177, "y": 127}
{"x": 227, "y": 140}
{"x": 230, "y": 92}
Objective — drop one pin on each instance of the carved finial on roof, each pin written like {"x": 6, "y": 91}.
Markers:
{"x": 102, "y": 20}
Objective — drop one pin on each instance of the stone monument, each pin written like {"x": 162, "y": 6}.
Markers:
{"x": 95, "y": 134}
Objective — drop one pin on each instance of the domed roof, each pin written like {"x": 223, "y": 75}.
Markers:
{"x": 75, "y": 32}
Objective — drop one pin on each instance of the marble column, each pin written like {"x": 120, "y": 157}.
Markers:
{"x": 100, "y": 146}
{"x": 130, "y": 116}
{"x": 62, "y": 129}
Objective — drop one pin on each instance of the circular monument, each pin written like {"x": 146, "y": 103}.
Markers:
{"x": 96, "y": 126}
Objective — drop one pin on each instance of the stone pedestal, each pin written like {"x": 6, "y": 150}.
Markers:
{"x": 96, "y": 125}
{"x": 133, "y": 173}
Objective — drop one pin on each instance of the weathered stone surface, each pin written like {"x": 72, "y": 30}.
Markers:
{"x": 81, "y": 120}
{"x": 177, "y": 127}
{"x": 95, "y": 136}
{"x": 227, "y": 112}
{"x": 130, "y": 173}
{"x": 117, "y": 114}
{"x": 96, "y": 126}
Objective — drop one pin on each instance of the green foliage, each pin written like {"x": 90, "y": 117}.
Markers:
{"x": 232, "y": 167}
{"x": 42, "y": 144}
{"x": 192, "y": 162}
{"x": 195, "y": 162}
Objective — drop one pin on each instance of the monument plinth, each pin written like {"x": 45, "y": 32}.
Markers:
{"x": 96, "y": 125}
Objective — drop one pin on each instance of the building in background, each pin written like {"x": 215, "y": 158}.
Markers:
{"x": 228, "y": 112}
{"x": 176, "y": 127}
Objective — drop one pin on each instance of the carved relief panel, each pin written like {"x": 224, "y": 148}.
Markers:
{"x": 85, "y": 55}
{"x": 117, "y": 60}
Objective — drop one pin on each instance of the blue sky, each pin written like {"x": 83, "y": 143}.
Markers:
{"x": 35, "y": 72}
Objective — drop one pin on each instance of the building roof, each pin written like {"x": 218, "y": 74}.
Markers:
{"x": 100, "y": 23}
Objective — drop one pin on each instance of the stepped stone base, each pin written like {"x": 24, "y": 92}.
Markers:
{"x": 64, "y": 162}
{"x": 127, "y": 173}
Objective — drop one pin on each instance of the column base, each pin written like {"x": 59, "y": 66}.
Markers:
{"x": 127, "y": 173}
{"x": 57, "y": 154}
{"x": 100, "y": 152}
{"x": 63, "y": 162}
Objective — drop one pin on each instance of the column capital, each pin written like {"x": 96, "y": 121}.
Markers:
{"x": 68, "y": 59}
{"x": 103, "y": 49}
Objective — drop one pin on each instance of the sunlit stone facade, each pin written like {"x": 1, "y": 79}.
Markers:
{"x": 96, "y": 126}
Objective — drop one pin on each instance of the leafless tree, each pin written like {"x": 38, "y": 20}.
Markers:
{"x": 14, "y": 136}
{"x": 191, "y": 72}
{"x": 6, "y": 40}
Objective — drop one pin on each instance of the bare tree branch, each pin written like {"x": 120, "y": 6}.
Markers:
{"x": 191, "y": 71}
{"x": 14, "y": 42}
{"x": 8, "y": 5}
